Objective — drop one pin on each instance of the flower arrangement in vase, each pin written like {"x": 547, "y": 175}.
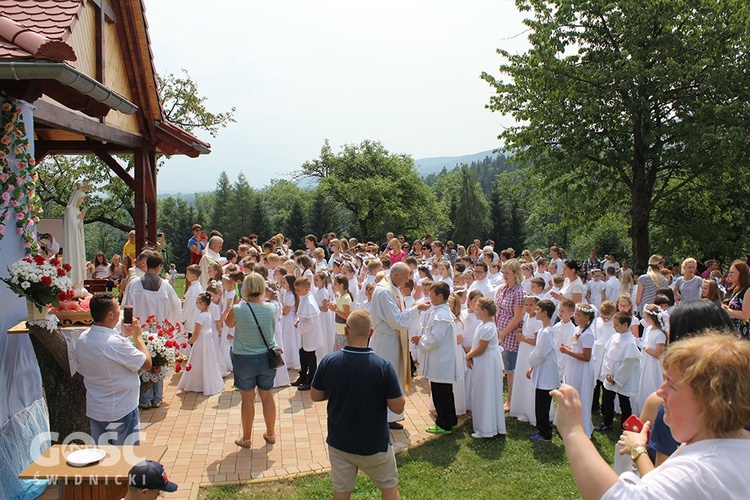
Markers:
{"x": 159, "y": 337}
{"x": 42, "y": 282}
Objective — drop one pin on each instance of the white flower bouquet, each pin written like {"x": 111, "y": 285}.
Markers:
{"x": 40, "y": 281}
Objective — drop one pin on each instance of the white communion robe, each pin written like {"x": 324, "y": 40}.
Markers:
{"x": 390, "y": 317}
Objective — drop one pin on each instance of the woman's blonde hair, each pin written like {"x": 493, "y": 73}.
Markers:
{"x": 714, "y": 364}
{"x": 687, "y": 261}
{"x": 515, "y": 267}
{"x": 395, "y": 245}
{"x": 653, "y": 269}
{"x": 253, "y": 286}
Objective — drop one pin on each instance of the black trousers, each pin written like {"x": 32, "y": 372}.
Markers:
{"x": 308, "y": 363}
{"x": 445, "y": 406}
{"x": 595, "y": 406}
{"x": 542, "y": 403}
{"x": 608, "y": 406}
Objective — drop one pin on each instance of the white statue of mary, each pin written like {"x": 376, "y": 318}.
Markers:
{"x": 74, "y": 248}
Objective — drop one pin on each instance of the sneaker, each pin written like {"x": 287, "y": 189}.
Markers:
{"x": 436, "y": 429}
{"x": 476, "y": 435}
{"x": 298, "y": 382}
{"x": 304, "y": 387}
{"x": 536, "y": 437}
{"x": 395, "y": 426}
{"x": 603, "y": 428}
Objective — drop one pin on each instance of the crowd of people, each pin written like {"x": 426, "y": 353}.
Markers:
{"x": 464, "y": 318}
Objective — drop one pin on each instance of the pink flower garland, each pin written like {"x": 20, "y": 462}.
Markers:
{"x": 17, "y": 190}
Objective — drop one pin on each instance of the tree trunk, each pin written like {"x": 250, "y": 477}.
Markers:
{"x": 639, "y": 230}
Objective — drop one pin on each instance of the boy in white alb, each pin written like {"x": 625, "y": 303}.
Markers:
{"x": 611, "y": 285}
{"x": 595, "y": 289}
{"x": 620, "y": 371}
{"x": 564, "y": 330}
{"x": 543, "y": 371}
{"x": 309, "y": 325}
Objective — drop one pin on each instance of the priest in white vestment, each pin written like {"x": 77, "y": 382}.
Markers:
{"x": 211, "y": 254}
{"x": 391, "y": 320}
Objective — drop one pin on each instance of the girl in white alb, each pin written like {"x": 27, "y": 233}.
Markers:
{"x": 579, "y": 370}
{"x": 487, "y": 413}
{"x": 652, "y": 346}
{"x": 227, "y": 333}
{"x": 291, "y": 341}
{"x": 202, "y": 373}
{"x": 282, "y": 375}
{"x": 522, "y": 404}
{"x": 471, "y": 323}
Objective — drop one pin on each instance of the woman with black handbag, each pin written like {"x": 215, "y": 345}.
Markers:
{"x": 255, "y": 356}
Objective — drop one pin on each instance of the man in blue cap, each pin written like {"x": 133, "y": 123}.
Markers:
{"x": 146, "y": 480}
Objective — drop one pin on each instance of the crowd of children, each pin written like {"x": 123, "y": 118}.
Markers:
{"x": 597, "y": 344}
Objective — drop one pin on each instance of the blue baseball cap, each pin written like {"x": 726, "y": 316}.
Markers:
{"x": 151, "y": 476}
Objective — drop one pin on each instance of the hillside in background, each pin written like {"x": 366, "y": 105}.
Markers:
{"x": 427, "y": 166}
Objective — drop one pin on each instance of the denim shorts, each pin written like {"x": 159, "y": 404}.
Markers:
{"x": 252, "y": 370}
{"x": 509, "y": 360}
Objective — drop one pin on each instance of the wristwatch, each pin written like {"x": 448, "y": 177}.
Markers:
{"x": 637, "y": 450}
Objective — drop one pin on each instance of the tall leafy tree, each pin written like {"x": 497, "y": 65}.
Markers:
{"x": 381, "y": 190}
{"x": 628, "y": 102}
{"x": 472, "y": 210}
{"x": 240, "y": 207}
{"x": 221, "y": 216}
{"x": 261, "y": 222}
{"x": 111, "y": 202}
{"x": 296, "y": 225}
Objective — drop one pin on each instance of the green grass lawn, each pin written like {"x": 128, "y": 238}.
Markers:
{"x": 454, "y": 466}
{"x": 179, "y": 286}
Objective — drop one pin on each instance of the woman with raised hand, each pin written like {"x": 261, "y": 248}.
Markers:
{"x": 706, "y": 393}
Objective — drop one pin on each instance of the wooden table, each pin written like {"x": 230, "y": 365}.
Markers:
{"x": 107, "y": 479}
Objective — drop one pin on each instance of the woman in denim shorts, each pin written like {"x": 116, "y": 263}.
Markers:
{"x": 250, "y": 356}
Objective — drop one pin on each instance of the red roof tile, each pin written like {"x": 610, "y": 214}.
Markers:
{"x": 51, "y": 20}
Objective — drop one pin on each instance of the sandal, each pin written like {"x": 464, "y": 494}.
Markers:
{"x": 243, "y": 443}
{"x": 269, "y": 439}
{"x": 144, "y": 406}
{"x": 156, "y": 405}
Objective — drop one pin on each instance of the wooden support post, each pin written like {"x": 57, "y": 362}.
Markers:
{"x": 141, "y": 166}
{"x": 150, "y": 159}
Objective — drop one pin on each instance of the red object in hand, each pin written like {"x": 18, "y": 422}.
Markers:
{"x": 633, "y": 424}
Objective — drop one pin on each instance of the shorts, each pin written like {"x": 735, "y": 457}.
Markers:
{"x": 380, "y": 467}
{"x": 252, "y": 370}
{"x": 509, "y": 360}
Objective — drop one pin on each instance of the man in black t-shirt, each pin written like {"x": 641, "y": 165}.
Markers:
{"x": 359, "y": 386}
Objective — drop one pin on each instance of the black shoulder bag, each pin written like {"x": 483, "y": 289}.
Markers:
{"x": 274, "y": 355}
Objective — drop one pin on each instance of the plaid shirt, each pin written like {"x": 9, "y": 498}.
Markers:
{"x": 507, "y": 300}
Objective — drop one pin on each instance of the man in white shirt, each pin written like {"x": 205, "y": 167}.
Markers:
{"x": 109, "y": 363}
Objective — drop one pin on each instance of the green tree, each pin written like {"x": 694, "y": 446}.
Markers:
{"x": 184, "y": 106}
{"x": 221, "y": 216}
{"x": 280, "y": 196}
{"x": 508, "y": 211}
{"x": 296, "y": 225}
{"x": 111, "y": 201}
{"x": 628, "y": 102}
{"x": 471, "y": 218}
{"x": 240, "y": 207}
{"x": 381, "y": 190}
{"x": 261, "y": 222}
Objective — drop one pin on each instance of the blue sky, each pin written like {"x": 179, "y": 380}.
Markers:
{"x": 405, "y": 73}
